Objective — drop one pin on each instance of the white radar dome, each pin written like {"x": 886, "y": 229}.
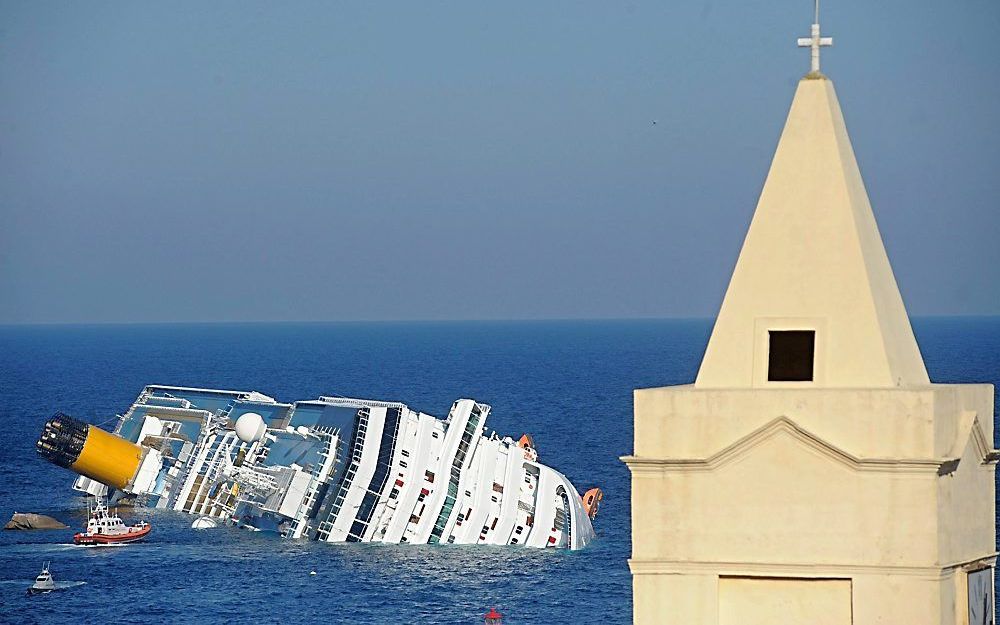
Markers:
{"x": 204, "y": 523}
{"x": 250, "y": 427}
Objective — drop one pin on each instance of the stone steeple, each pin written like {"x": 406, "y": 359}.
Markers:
{"x": 813, "y": 261}
{"x": 812, "y": 473}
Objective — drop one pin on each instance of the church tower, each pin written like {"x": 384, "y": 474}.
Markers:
{"x": 813, "y": 473}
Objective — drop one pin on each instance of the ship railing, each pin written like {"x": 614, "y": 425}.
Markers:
{"x": 355, "y": 402}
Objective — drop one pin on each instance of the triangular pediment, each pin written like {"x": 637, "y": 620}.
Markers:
{"x": 785, "y": 427}
{"x": 789, "y": 429}
{"x": 970, "y": 432}
{"x": 813, "y": 259}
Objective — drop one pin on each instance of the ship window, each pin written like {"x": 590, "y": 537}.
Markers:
{"x": 405, "y": 453}
{"x": 429, "y": 476}
{"x": 402, "y": 464}
{"x": 519, "y": 530}
{"x": 435, "y": 434}
{"x": 513, "y": 541}
{"x": 790, "y": 355}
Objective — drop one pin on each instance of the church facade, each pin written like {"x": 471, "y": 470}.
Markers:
{"x": 812, "y": 473}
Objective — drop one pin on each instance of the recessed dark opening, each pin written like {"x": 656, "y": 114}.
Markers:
{"x": 790, "y": 355}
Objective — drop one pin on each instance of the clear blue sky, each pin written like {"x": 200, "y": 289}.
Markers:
{"x": 466, "y": 160}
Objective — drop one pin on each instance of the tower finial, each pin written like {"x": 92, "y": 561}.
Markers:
{"x": 814, "y": 41}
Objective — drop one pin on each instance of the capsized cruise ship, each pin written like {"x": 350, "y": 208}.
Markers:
{"x": 333, "y": 469}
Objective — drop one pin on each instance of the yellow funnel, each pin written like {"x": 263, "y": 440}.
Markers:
{"x": 108, "y": 459}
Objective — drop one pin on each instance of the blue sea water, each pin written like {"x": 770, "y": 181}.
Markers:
{"x": 567, "y": 383}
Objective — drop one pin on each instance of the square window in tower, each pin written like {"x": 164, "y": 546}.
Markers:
{"x": 790, "y": 355}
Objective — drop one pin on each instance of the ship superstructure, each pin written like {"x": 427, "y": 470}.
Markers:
{"x": 334, "y": 469}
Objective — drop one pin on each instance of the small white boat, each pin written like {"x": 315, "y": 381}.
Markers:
{"x": 43, "y": 583}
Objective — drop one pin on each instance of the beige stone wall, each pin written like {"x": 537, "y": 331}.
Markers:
{"x": 784, "y": 502}
{"x": 766, "y": 601}
{"x": 885, "y": 599}
{"x": 799, "y": 484}
{"x": 966, "y": 508}
{"x": 923, "y": 421}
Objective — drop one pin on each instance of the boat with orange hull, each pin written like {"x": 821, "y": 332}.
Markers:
{"x": 104, "y": 528}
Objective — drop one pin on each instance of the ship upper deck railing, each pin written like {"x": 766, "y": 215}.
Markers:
{"x": 352, "y": 402}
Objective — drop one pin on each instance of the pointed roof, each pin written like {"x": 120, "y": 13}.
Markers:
{"x": 813, "y": 259}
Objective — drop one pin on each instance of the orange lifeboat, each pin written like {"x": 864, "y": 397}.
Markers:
{"x": 592, "y": 501}
{"x": 528, "y": 445}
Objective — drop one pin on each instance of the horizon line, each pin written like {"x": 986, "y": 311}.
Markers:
{"x": 22, "y": 324}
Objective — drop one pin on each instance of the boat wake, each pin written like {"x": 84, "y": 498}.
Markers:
{"x": 67, "y": 585}
{"x": 64, "y": 585}
{"x": 35, "y": 548}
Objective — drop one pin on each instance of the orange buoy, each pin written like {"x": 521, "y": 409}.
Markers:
{"x": 493, "y": 617}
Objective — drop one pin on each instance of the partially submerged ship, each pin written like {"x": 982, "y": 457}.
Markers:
{"x": 333, "y": 469}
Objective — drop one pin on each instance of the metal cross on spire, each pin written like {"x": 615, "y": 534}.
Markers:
{"x": 814, "y": 41}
